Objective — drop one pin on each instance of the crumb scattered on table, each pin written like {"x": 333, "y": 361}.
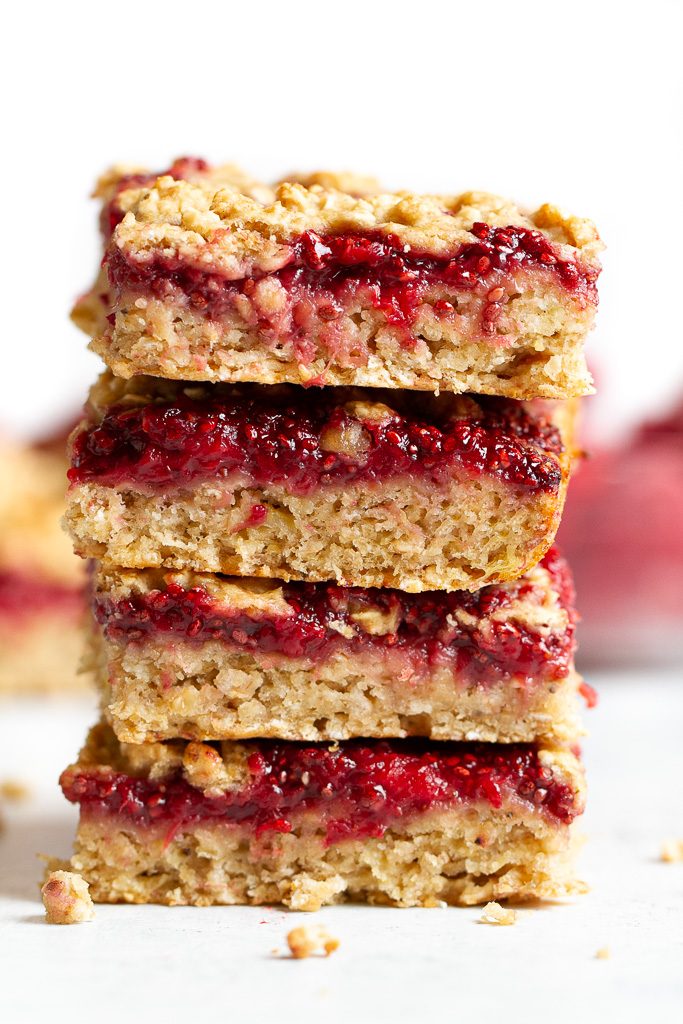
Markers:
{"x": 310, "y": 939}
{"x": 14, "y": 791}
{"x": 493, "y": 913}
{"x": 672, "y": 851}
{"x": 66, "y": 898}
{"x": 603, "y": 953}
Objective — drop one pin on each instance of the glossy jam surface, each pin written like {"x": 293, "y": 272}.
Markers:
{"x": 445, "y": 628}
{"x": 25, "y": 595}
{"x": 395, "y": 279}
{"x": 356, "y": 789}
{"x": 282, "y": 442}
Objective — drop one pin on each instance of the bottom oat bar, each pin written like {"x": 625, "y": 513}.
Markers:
{"x": 408, "y": 823}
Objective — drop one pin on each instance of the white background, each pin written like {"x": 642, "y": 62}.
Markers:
{"x": 575, "y": 103}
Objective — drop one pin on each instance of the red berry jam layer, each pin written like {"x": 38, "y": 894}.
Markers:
{"x": 356, "y": 789}
{"x": 429, "y": 628}
{"x": 25, "y": 595}
{"x": 286, "y": 441}
{"x": 333, "y": 271}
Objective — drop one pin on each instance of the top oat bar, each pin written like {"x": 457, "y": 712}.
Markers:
{"x": 219, "y": 281}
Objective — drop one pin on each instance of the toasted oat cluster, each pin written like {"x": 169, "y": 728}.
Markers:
{"x": 117, "y": 188}
{"x": 494, "y": 914}
{"x": 306, "y": 941}
{"x": 66, "y": 898}
{"x": 448, "y": 492}
{"x": 200, "y": 656}
{"x": 334, "y": 282}
{"x": 302, "y": 824}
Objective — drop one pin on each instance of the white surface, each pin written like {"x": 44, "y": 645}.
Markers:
{"x": 576, "y": 103}
{"x": 173, "y": 964}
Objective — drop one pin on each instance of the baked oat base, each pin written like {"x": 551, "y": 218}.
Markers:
{"x": 544, "y": 358}
{"x": 407, "y": 535}
{"x": 458, "y": 857}
{"x": 175, "y": 689}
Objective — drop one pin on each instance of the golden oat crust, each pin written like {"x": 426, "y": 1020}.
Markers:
{"x": 113, "y": 188}
{"x": 343, "y": 181}
{"x": 223, "y": 176}
{"x": 238, "y": 234}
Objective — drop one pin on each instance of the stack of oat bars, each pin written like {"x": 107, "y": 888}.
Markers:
{"x": 320, "y": 481}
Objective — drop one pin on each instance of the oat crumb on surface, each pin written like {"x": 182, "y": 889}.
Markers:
{"x": 66, "y": 898}
{"x": 493, "y": 913}
{"x": 672, "y": 851}
{"x": 14, "y": 791}
{"x": 603, "y": 953}
{"x": 310, "y": 939}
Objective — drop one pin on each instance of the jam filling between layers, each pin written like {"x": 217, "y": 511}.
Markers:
{"x": 355, "y": 789}
{"x": 323, "y": 275}
{"x": 305, "y": 442}
{"x": 26, "y": 594}
{"x": 455, "y": 629}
